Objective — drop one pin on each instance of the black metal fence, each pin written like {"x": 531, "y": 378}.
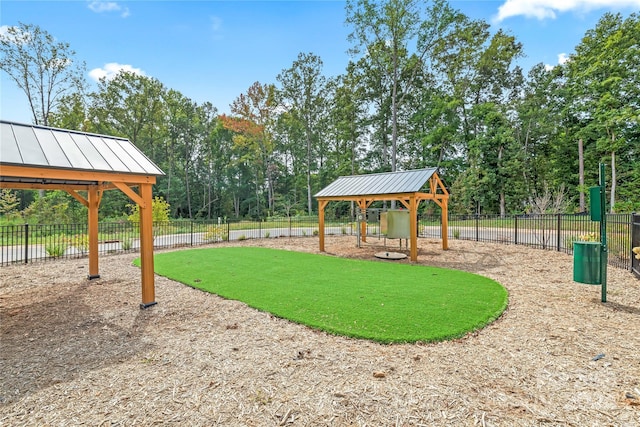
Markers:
{"x": 550, "y": 231}
{"x": 27, "y": 243}
{"x": 635, "y": 243}
{"x": 36, "y": 242}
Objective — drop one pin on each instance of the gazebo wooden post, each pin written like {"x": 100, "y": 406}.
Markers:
{"x": 321, "y": 205}
{"x": 445, "y": 223}
{"x": 413, "y": 227}
{"x": 146, "y": 247}
{"x": 92, "y": 205}
{"x": 363, "y": 224}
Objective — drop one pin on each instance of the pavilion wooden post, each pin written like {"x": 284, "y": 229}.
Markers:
{"x": 93, "y": 200}
{"x": 146, "y": 247}
{"x": 445, "y": 223}
{"x": 321, "y": 205}
{"x": 413, "y": 227}
{"x": 363, "y": 224}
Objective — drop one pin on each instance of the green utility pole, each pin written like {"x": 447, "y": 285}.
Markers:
{"x": 603, "y": 235}
{"x": 586, "y": 252}
{"x": 598, "y": 202}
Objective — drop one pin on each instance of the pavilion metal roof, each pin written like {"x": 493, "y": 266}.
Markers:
{"x": 378, "y": 183}
{"x": 40, "y": 146}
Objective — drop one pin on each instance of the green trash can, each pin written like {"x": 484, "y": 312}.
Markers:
{"x": 586, "y": 263}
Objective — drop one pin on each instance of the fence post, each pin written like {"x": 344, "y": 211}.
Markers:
{"x": 477, "y": 227}
{"x": 26, "y": 243}
{"x": 191, "y": 232}
{"x": 559, "y": 226}
{"x": 515, "y": 230}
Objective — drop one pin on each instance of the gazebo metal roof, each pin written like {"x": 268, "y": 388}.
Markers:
{"x": 407, "y": 187}
{"x": 39, "y": 146}
{"x": 84, "y": 165}
{"x": 378, "y": 183}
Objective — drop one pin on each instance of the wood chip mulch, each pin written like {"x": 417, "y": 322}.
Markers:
{"x": 74, "y": 352}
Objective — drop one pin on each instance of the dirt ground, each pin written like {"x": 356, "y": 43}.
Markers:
{"x": 74, "y": 352}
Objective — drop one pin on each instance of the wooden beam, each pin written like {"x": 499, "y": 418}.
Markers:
{"x": 73, "y": 193}
{"x": 445, "y": 224}
{"x": 413, "y": 228}
{"x": 90, "y": 176}
{"x": 93, "y": 203}
{"x": 440, "y": 184}
{"x": 137, "y": 199}
{"x": 405, "y": 203}
{"x": 53, "y": 186}
{"x": 146, "y": 247}
{"x": 321, "y": 205}
{"x": 362, "y": 203}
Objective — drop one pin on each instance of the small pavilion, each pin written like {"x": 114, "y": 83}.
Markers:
{"x": 407, "y": 187}
{"x": 84, "y": 165}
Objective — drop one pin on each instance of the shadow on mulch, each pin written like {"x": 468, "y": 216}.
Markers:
{"x": 614, "y": 306}
{"x": 56, "y": 337}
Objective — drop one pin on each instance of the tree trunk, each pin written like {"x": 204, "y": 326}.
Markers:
{"x": 309, "y": 175}
{"x": 581, "y": 173}
{"x": 188, "y": 191}
{"x": 613, "y": 182}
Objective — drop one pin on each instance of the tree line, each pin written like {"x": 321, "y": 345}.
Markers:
{"x": 427, "y": 86}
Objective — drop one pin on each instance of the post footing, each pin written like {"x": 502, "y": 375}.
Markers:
{"x": 147, "y": 305}
{"x": 93, "y": 276}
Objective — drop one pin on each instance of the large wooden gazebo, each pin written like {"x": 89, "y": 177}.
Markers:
{"x": 84, "y": 165}
{"x": 407, "y": 187}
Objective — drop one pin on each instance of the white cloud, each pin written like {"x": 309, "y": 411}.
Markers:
{"x": 17, "y": 36}
{"x": 562, "y": 58}
{"x": 543, "y": 9}
{"x": 110, "y": 70}
{"x": 100, "y": 6}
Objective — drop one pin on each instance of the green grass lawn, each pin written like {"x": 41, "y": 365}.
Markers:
{"x": 380, "y": 301}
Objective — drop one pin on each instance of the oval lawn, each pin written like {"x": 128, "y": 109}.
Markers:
{"x": 375, "y": 300}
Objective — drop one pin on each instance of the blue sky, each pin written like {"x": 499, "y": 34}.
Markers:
{"x": 214, "y": 50}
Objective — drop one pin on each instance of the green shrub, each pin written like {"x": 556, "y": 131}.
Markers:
{"x": 160, "y": 211}
{"x": 315, "y": 232}
{"x": 242, "y": 237}
{"x": 267, "y": 234}
{"x": 80, "y": 242}
{"x": 588, "y": 237}
{"x": 126, "y": 244}
{"x": 216, "y": 233}
{"x": 456, "y": 233}
{"x": 56, "y": 247}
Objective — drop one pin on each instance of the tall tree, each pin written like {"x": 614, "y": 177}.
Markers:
{"x": 603, "y": 75}
{"x": 132, "y": 106}
{"x": 385, "y": 31}
{"x": 252, "y": 121}
{"x": 43, "y": 68}
{"x": 303, "y": 93}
